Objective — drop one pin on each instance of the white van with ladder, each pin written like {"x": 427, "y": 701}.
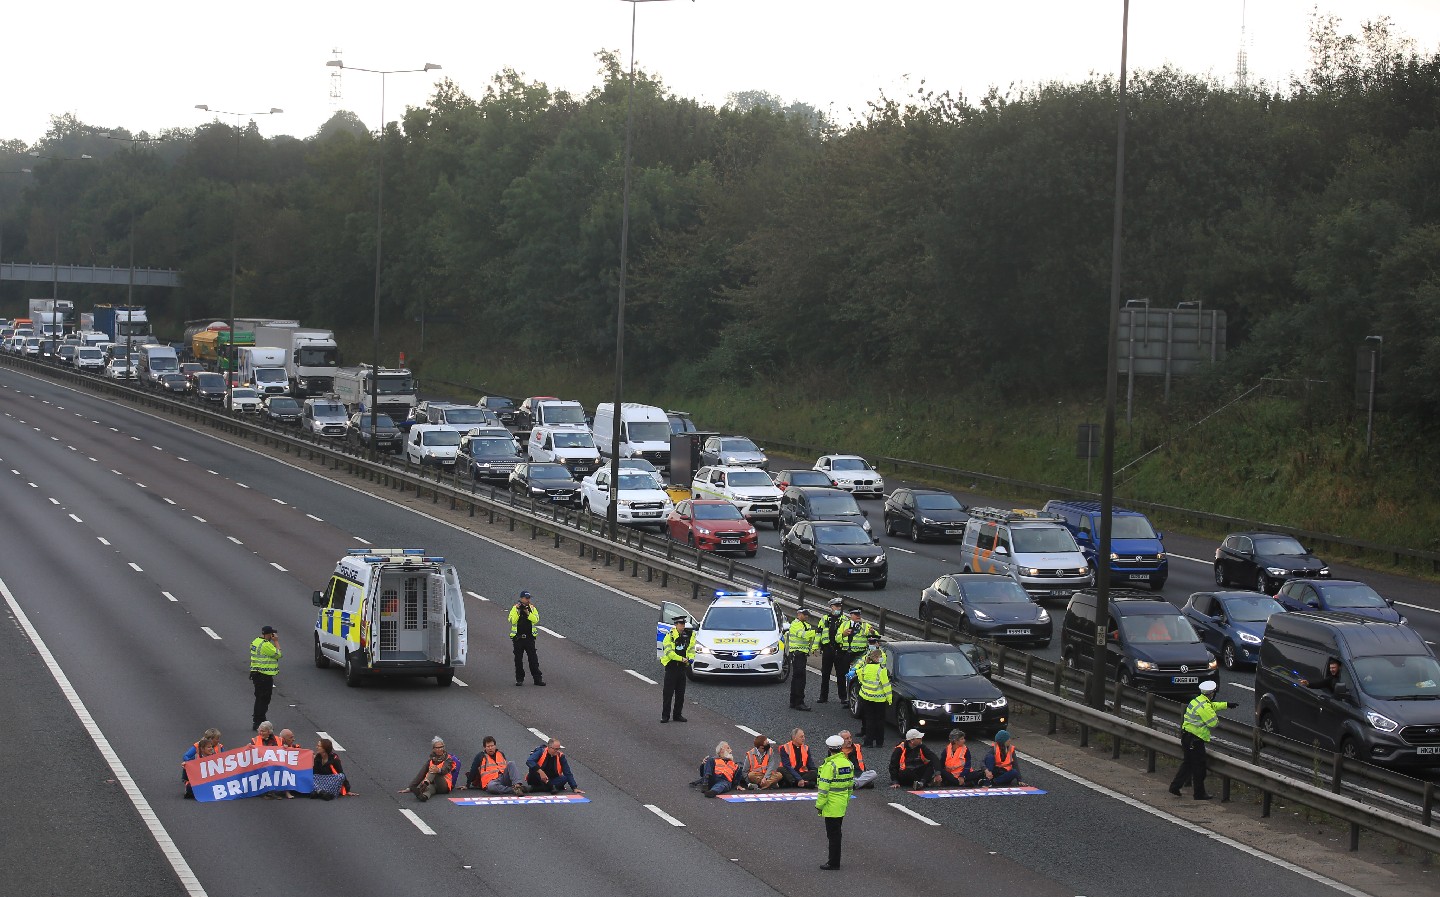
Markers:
{"x": 391, "y": 612}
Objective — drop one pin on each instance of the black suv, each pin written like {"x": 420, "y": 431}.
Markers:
{"x": 1263, "y": 561}
{"x": 503, "y": 407}
{"x": 843, "y": 552}
{"x": 925, "y": 514}
{"x": 1149, "y": 643}
{"x": 819, "y": 503}
{"x": 545, "y": 481}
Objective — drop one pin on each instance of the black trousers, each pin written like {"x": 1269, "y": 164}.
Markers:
{"x": 797, "y": 678}
{"x": 833, "y": 825}
{"x": 834, "y": 660}
{"x": 264, "y": 687}
{"x": 872, "y": 723}
{"x": 674, "y": 690}
{"x": 1192, "y": 764}
{"x": 524, "y": 647}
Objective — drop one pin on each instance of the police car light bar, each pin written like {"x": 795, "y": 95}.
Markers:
{"x": 750, "y": 593}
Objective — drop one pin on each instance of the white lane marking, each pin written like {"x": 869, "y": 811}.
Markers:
{"x": 178, "y": 458}
{"x": 911, "y": 813}
{"x": 210, "y": 632}
{"x": 241, "y": 485}
{"x": 747, "y": 730}
{"x": 477, "y": 596}
{"x": 122, "y": 775}
{"x": 333, "y": 743}
{"x": 70, "y": 447}
{"x": 457, "y": 681}
{"x": 215, "y": 472}
{"x": 157, "y": 448}
{"x": 1418, "y": 607}
{"x": 419, "y": 823}
{"x": 538, "y": 734}
{"x": 116, "y": 472}
{"x": 770, "y": 548}
{"x": 360, "y": 540}
{"x": 16, "y": 472}
{"x": 1198, "y": 829}
{"x": 899, "y": 549}
{"x": 665, "y": 816}
{"x": 103, "y": 540}
{"x": 142, "y": 485}
{"x": 54, "y": 501}
{"x": 235, "y": 540}
{"x": 314, "y": 518}
{"x": 54, "y": 438}
{"x": 278, "y": 501}
{"x": 646, "y": 679}
{"x": 112, "y": 429}
{"x": 92, "y": 459}
{"x": 76, "y": 519}
{"x": 136, "y": 567}
{"x": 278, "y": 567}
{"x": 543, "y": 629}
{"x": 201, "y": 519}
{"x": 136, "y": 438}
{"x": 169, "y": 501}
{"x": 34, "y": 485}
{"x": 169, "y": 597}
{"x": 1238, "y": 685}
{"x": 1171, "y": 554}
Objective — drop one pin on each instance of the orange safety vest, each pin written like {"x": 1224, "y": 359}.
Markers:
{"x": 857, "y": 758}
{"x": 438, "y": 765}
{"x": 757, "y": 760}
{"x": 259, "y": 741}
{"x": 901, "y": 746}
{"x": 1004, "y": 760}
{"x": 725, "y": 768}
{"x": 803, "y": 762}
{"x": 540, "y": 763}
{"x": 956, "y": 757}
{"x": 491, "y": 767}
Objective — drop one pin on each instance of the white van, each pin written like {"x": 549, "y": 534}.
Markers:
{"x": 1033, "y": 546}
{"x": 573, "y": 448}
{"x": 644, "y": 432}
{"x": 156, "y": 360}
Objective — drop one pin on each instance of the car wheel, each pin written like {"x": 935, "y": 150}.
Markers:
{"x": 784, "y": 668}
{"x": 1220, "y": 579}
{"x": 1228, "y": 657}
{"x": 1261, "y": 584}
{"x": 915, "y": 533}
{"x": 1126, "y": 678}
{"x": 321, "y": 661}
{"x": 352, "y": 671}
{"x": 880, "y": 584}
{"x": 1348, "y": 749}
{"x": 815, "y": 574}
{"x": 924, "y": 612}
{"x": 1267, "y": 722}
{"x": 889, "y": 526}
{"x": 852, "y": 700}
{"x": 776, "y": 523}
{"x": 903, "y": 722}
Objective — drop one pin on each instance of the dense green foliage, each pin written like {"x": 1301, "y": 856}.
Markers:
{"x": 939, "y": 244}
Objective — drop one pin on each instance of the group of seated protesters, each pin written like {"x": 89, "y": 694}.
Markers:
{"x": 329, "y": 773}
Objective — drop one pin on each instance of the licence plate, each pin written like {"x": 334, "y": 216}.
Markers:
{"x": 952, "y": 532}
{"x": 1017, "y": 632}
{"x": 1058, "y": 593}
{"x": 859, "y": 569}
{"x": 1428, "y": 749}
{"x": 964, "y": 717}
{"x": 647, "y": 513}
{"x": 729, "y": 541}
{"x": 1139, "y": 576}
{"x": 734, "y": 666}
{"x": 559, "y": 498}
{"x": 1184, "y": 680}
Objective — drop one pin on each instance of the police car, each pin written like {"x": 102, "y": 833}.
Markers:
{"x": 742, "y": 635}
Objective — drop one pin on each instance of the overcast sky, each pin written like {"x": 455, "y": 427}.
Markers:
{"x": 145, "y": 64}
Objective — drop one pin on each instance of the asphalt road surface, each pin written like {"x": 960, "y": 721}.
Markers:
{"x": 146, "y": 557}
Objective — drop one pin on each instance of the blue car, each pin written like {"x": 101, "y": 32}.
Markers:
{"x": 1347, "y": 596}
{"x": 1231, "y": 623}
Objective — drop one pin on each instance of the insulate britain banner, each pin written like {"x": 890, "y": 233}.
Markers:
{"x": 249, "y": 771}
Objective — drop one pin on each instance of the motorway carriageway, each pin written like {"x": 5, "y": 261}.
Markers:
{"x": 144, "y": 556}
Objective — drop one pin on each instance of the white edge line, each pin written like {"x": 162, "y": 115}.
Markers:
{"x": 550, "y": 631}
{"x": 314, "y": 518}
{"x": 538, "y": 734}
{"x": 1199, "y": 829}
{"x": 457, "y": 681}
{"x": 1417, "y": 607}
{"x": 747, "y": 730}
{"x": 646, "y": 679}
{"x": 909, "y": 812}
{"x": 212, "y": 633}
{"x": 665, "y": 816}
{"x": 1238, "y": 685}
{"x": 477, "y": 596}
{"x": 419, "y": 823}
{"x": 333, "y": 743}
{"x": 122, "y": 775}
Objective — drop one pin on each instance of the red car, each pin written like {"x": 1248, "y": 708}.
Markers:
{"x": 713, "y": 525}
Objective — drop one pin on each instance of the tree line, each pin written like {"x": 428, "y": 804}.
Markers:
{"x": 938, "y": 243}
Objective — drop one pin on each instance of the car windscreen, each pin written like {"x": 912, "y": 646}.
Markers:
{"x": 1154, "y": 628}
{"x": 492, "y": 448}
{"x": 440, "y": 437}
{"x": 563, "y": 414}
{"x": 739, "y": 619}
{"x": 328, "y": 411}
{"x": 1124, "y": 526}
{"x": 310, "y": 356}
{"x": 750, "y": 478}
{"x": 831, "y": 503}
{"x": 1351, "y": 594}
{"x": 499, "y": 403}
{"x": 286, "y": 406}
{"x": 637, "y": 464}
{"x": 648, "y": 431}
{"x": 632, "y": 481}
{"x": 394, "y": 386}
{"x": 927, "y": 664}
{"x": 549, "y": 472}
{"x": 806, "y": 478}
{"x": 202, "y": 381}
{"x": 737, "y": 445}
{"x": 995, "y": 592}
{"x": 849, "y": 464}
{"x": 928, "y": 501}
{"x": 1279, "y": 545}
{"x": 89, "y": 354}
{"x": 1041, "y": 540}
{"x": 726, "y": 511}
{"x": 574, "y": 440}
{"x": 382, "y": 422}
{"x": 1250, "y": 610}
{"x": 842, "y": 535}
{"x": 468, "y": 417}
{"x": 1405, "y": 677}
{"x": 242, "y": 393}
{"x": 269, "y": 373}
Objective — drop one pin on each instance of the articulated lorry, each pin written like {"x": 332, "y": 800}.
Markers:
{"x": 396, "y": 389}
{"x": 311, "y": 356}
{"x": 122, "y": 324}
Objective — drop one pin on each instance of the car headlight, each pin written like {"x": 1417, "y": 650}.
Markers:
{"x": 997, "y": 703}
{"x": 1276, "y": 571}
{"x": 1144, "y": 665}
{"x": 1114, "y": 556}
{"x": 624, "y": 502}
{"x": 1084, "y": 571}
{"x": 981, "y": 615}
{"x": 702, "y": 531}
{"x": 831, "y": 559}
{"x": 1032, "y": 571}
{"x": 1383, "y": 723}
{"x": 766, "y": 652}
{"x": 924, "y": 705}
{"x": 880, "y": 558}
{"x": 1324, "y": 571}
{"x": 538, "y": 490}
{"x": 927, "y": 521}
{"x": 1044, "y": 615}
{"x": 1249, "y": 639}
{"x": 703, "y": 649}
{"x": 1159, "y": 555}
{"x": 1213, "y": 664}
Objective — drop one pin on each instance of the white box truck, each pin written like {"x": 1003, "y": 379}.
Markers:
{"x": 263, "y": 367}
{"x": 311, "y": 355}
{"x": 396, "y": 387}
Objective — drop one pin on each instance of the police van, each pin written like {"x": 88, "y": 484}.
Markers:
{"x": 742, "y": 636}
{"x": 391, "y": 612}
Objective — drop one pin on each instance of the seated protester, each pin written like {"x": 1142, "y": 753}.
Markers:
{"x": 492, "y": 773}
{"x": 955, "y": 771}
{"x": 330, "y": 781}
{"x": 287, "y": 740}
{"x": 439, "y": 774}
{"x": 864, "y": 776}
{"x": 911, "y": 765}
{"x": 762, "y": 765}
{"x": 208, "y": 745}
{"x": 1002, "y": 767}
{"x": 720, "y": 773}
{"x": 550, "y": 769}
{"x": 797, "y": 769}
{"x": 265, "y": 735}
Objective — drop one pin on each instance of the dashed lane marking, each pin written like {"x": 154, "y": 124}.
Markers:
{"x": 278, "y": 501}
{"x": 169, "y": 597}
{"x": 419, "y": 823}
{"x": 665, "y": 816}
{"x": 314, "y": 518}
{"x": 550, "y": 632}
{"x": 477, "y": 596}
{"x": 899, "y": 549}
{"x": 235, "y": 540}
{"x": 538, "y": 734}
{"x": 134, "y": 566}
{"x": 76, "y": 519}
{"x": 169, "y": 501}
{"x": 178, "y": 458}
{"x": 911, "y": 813}
{"x": 1418, "y": 607}
{"x": 241, "y": 485}
{"x": 457, "y": 681}
{"x": 142, "y": 486}
{"x": 54, "y": 501}
{"x": 200, "y": 519}
{"x": 646, "y": 679}
{"x": 215, "y": 472}
{"x": 157, "y": 448}
{"x": 103, "y": 540}
{"x": 1238, "y": 685}
{"x": 333, "y": 743}
{"x": 360, "y": 540}
{"x": 771, "y": 548}
{"x": 747, "y": 730}
{"x": 278, "y": 567}
{"x": 210, "y": 632}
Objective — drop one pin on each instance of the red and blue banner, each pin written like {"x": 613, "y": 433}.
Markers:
{"x": 250, "y": 771}
{"x": 1001, "y": 791}
{"x": 500, "y": 800}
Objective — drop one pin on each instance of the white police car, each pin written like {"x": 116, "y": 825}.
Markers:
{"x": 741, "y": 636}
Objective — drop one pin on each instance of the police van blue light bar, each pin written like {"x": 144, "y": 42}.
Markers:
{"x": 751, "y": 593}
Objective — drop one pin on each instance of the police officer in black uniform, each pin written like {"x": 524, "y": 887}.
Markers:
{"x": 833, "y": 658}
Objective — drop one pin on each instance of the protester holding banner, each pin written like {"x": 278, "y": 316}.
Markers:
{"x": 250, "y": 771}
{"x": 330, "y": 781}
{"x": 208, "y": 745}
{"x": 439, "y": 774}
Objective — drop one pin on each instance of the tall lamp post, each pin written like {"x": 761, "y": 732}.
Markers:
{"x": 55, "y": 255}
{"x": 379, "y": 224}
{"x": 612, "y": 511}
{"x": 234, "y": 241}
{"x": 130, "y": 285}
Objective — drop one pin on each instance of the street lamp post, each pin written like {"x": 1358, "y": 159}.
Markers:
{"x": 379, "y": 223}
{"x": 55, "y": 254}
{"x": 234, "y": 244}
{"x": 130, "y": 285}
{"x": 612, "y": 512}
{"x": 1375, "y": 344}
